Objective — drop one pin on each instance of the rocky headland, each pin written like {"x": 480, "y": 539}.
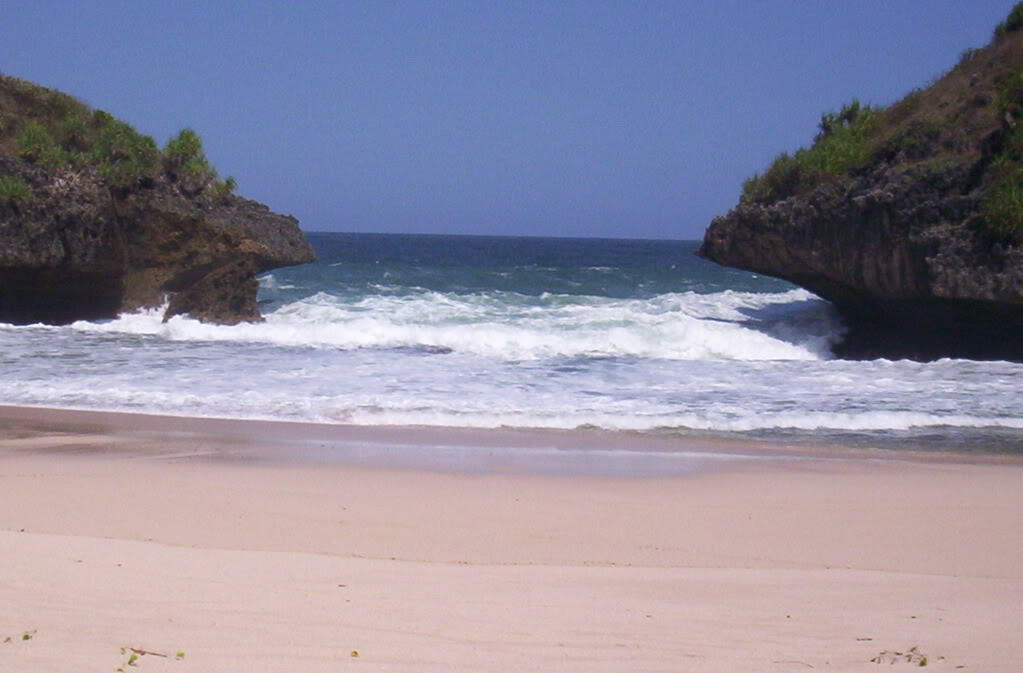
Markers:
{"x": 909, "y": 219}
{"x": 95, "y": 220}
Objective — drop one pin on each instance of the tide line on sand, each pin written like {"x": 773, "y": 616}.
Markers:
{"x": 196, "y": 536}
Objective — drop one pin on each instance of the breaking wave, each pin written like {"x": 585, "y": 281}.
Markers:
{"x": 792, "y": 325}
{"x": 457, "y": 331}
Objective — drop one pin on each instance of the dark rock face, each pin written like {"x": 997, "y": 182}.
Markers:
{"x": 903, "y": 256}
{"x": 77, "y": 250}
{"x": 910, "y": 223}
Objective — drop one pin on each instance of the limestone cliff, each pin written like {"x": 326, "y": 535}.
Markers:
{"x": 908, "y": 219}
{"x": 87, "y": 233}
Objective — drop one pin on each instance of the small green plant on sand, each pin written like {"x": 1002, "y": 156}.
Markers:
{"x": 25, "y": 635}
{"x": 134, "y": 655}
{"x": 911, "y": 656}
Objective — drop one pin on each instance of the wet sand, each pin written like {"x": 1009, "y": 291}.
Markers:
{"x": 282, "y": 547}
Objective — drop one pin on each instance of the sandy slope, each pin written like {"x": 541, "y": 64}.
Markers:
{"x": 248, "y": 564}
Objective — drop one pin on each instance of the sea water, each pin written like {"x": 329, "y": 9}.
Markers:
{"x": 486, "y": 332}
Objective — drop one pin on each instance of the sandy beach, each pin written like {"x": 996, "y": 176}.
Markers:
{"x": 250, "y": 546}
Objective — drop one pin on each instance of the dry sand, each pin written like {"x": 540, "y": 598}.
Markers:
{"x": 179, "y": 535}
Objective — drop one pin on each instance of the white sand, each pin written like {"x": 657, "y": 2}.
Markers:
{"x": 248, "y": 564}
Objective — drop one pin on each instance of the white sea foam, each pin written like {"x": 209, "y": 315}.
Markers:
{"x": 571, "y": 409}
{"x": 727, "y": 361}
{"x": 729, "y": 325}
{"x": 880, "y": 421}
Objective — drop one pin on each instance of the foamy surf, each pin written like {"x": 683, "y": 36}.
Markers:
{"x": 729, "y": 325}
{"x": 432, "y": 331}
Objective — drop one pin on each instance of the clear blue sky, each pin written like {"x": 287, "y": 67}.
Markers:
{"x": 575, "y": 118}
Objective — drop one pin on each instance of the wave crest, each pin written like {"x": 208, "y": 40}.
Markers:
{"x": 792, "y": 325}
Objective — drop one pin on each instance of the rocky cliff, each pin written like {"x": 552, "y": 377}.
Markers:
{"x": 908, "y": 219}
{"x": 91, "y": 226}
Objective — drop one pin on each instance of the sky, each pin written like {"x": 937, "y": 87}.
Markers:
{"x": 619, "y": 119}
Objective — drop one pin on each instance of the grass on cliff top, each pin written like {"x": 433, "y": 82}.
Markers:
{"x": 57, "y": 132}
{"x": 972, "y": 115}
{"x": 842, "y": 145}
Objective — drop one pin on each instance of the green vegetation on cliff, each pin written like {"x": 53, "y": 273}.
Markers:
{"x": 842, "y": 145}
{"x": 56, "y": 132}
{"x": 972, "y": 116}
{"x": 1012, "y": 22}
{"x": 13, "y": 189}
{"x": 97, "y": 220}
{"x": 1002, "y": 206}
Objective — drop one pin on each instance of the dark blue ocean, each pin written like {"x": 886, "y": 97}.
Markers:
{"x": 624, "y": 335}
